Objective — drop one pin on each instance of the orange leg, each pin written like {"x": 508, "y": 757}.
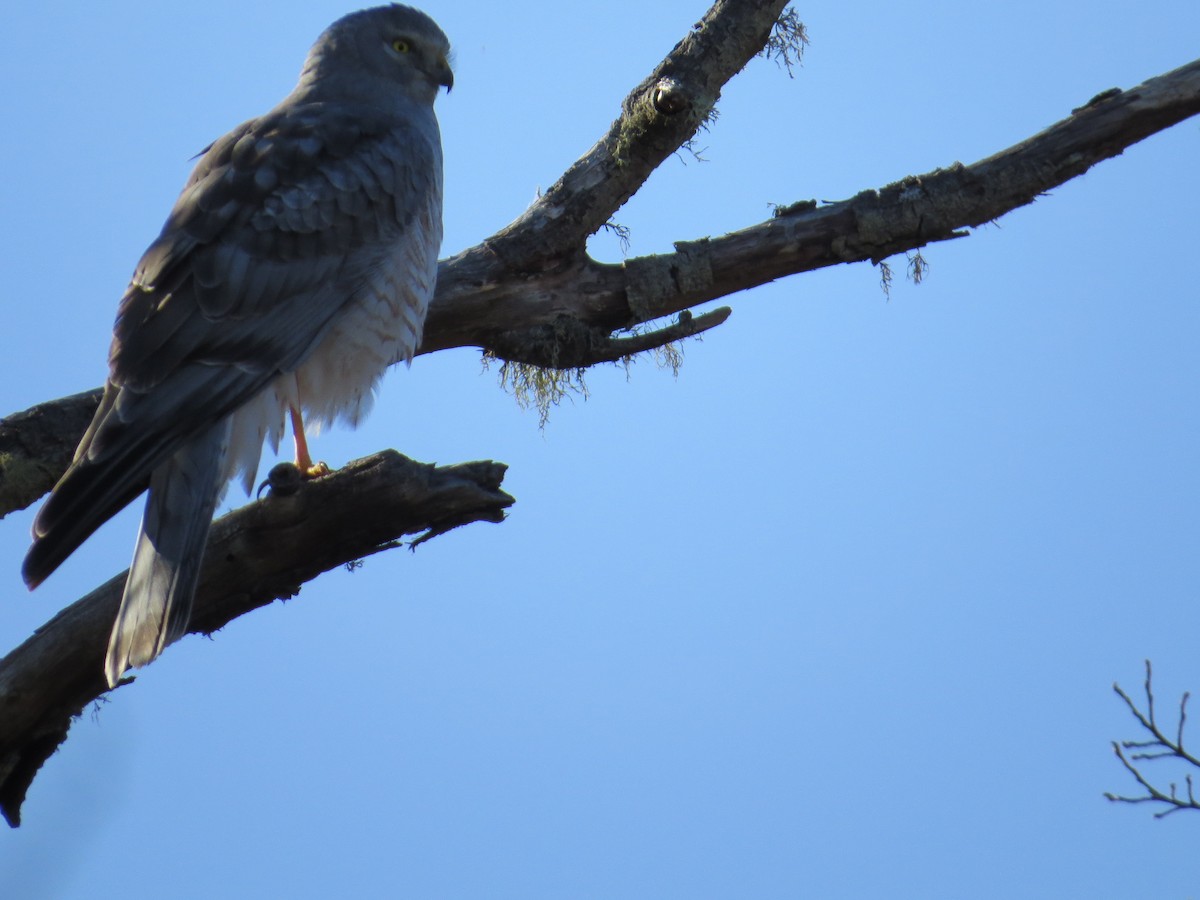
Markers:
{"x": 308, "y": 469}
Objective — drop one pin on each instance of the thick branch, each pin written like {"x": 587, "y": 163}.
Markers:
{"x": 257, "y": 554}
{"x": 658, "y": 117}
{"x": 476, "y": 308}
{"x": 509, "y": 311}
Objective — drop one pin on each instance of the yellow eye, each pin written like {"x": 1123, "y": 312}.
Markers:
{"x": 400, "y": 45}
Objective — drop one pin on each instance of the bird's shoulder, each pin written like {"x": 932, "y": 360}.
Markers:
{"x": 291, "y": 142}
{"x": 292, "y": 182}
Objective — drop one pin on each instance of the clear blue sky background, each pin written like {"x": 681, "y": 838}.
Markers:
{"x": 835, "y": 613}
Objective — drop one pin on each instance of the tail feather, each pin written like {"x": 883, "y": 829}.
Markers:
{"x": 157, "y": 604}
{"x": 132, "y": 434}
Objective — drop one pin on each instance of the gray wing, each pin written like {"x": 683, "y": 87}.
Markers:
{"x": 279, "y": 226}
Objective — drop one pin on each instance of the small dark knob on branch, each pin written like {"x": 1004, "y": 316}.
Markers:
{"x": 670, "y": 97}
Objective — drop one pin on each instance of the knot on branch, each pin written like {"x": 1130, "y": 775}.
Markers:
{"x": 1098, "y": 99}
{"x": 654, "y": 114}
{"x": 670, "y": 97}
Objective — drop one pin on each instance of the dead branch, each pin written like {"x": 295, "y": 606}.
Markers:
{"x": 258, "y": 554}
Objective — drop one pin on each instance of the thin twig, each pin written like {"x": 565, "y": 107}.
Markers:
{"x": 1160, "y": 747}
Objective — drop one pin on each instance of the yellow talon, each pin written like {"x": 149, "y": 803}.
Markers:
{"x": 315, "y": 470}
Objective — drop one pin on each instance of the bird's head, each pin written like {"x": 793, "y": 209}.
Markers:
{"x": 391, "y": 47}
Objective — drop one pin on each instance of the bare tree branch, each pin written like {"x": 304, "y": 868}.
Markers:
{"x": 260, "y": 553}
{"x": 480, "y": 304}
{"x": 657, "y": 118}
{"x": 1160, "y": 747}
{"x": 508, "y": 304}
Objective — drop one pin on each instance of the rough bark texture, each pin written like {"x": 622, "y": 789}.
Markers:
{"x": 36, "y": 447}
{"x": 530, "y": 294}
{"x": 256, "y": 555}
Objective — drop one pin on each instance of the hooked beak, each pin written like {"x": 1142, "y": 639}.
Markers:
{"x": 445, "y": 74}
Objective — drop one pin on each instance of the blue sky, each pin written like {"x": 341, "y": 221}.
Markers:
{"x": 835, "y": 613}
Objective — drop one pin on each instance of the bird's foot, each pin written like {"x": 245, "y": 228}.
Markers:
{"x": 313, "y": 470}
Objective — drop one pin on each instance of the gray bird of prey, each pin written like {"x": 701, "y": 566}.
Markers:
{"x": 295, "y": 267}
